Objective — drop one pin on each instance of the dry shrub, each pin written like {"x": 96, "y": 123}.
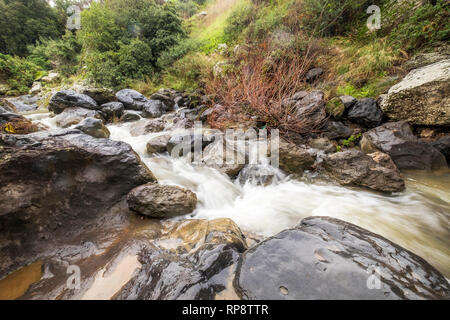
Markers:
{"x": 258, "y": 84}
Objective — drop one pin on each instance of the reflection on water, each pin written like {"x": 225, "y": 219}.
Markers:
{"x": 17, "y": 283}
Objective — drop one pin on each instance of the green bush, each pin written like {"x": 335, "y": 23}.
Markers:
{"x": 61, "y": 54}
{"x": 239, "y": 19}
{"x": 19, "y": 73}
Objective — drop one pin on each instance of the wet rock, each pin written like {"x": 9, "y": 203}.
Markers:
{"x": 408, "y": 152}
{"x": 69, "y": 98}
{"x": 313, "y": 74}
{"x": 326, "y": 258}
{"x": 443, "y": 145}
{"x": 187, "y": 142}
{"x": 112, "y": 110}
{"x": 154, "y": 109}
{"x": 192, "y": 259}
{"x": 74, "y": 115}
{"x": 336, "y": 129}
{"x": 224, "y": 156}
{"x": 93, "y": 127}
{"x": 366, "y": 113}
{"x": 158, "y": 144}
{"x": 146, "y": 126}
{"x": 294, "y": 159}
{"x": 130, "y": 115}
{"x": 54, "y": 184}
{"x": 384, "y": 160}
{"x": 158, "y": 201}
{"x": 354, "y": 168}
{"x": 23, "y": 103}
{"x": 422, "y": 96}
{"x": 131, "y": 99}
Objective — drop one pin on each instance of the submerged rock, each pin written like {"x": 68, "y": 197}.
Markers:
{"x": 69, "y": 98}
{"x": 408, "y": 152}
{"x": 93, "y": 127}
{"x": 353, "y": 167}
{"x": 131, "y": 99}
{"x": 53, "y": 184}
{"x": 422, "y": 96}
{"x": 159, "y": 201}
{"x": 326, "y": 258}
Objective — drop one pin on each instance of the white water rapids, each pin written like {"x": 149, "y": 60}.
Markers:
{"x": 417, "y": 219}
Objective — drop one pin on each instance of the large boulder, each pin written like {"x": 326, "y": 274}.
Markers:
{"x": 23, "y": 103}
{"x": 154, "y": 109}
{"x": 408, "y": 152}
{"x": 11, "y": 122}
{"x": 294, "y": 159}
{"x": 74, "y": 115}
{"x": 159, "y": 201}
{"x": 190, "y": 259}
{"x": 93, "y": 127}
{"x": 354, "y": 168}
{"x": 131, "y": 99}
{"x": 366, "y": 112}
{"x": 422, "y": 96}
{"x": 443, "y": 145}
{"x": 130, "y": 115}
{"x": 69, "y": 98}
{"x": 336, "y": 129}
{"x": 326, "y": 258}
{"x": 54, "y": 183}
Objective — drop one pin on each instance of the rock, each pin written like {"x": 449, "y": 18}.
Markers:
{"x": 326, "y": 258}
{"x": 14, "y": 123}
{"x": 348, "y": 101}
{"x": 299, "y": 95}
{"x": 397, "y": 140}
{"x": 23, "y": 103}
{"x": 158, "y": 144}
{"x": 165, "y": 99}
{"x": 384, "y": 160}
{"x": 130, "y": 115}
{"x": 154, "y": 109}
{"x": 36, "y": 87}
{"x": 335, "y": 108}
{"x": 146, "y": 126}
{"x": 354, "y": 168}
{"x": 186, "y": 142}
{"x": 54, "y": 183}
{"x": 204, "y": 115}
{"x": 313, "y": 74}
{"x": 294, "y": 159}
{"x": 131, "y": 99}
{"x": 93, "y": 127}
{"x": 112, "y": 111}
{"x": 224, "y": 157}
{"x": 366, "y": 113}
{"x": 158, "y": 201}
{"x": 191, "y": 259}
{"x": 4, "y": 88}
{"x": 69, "y": 98}
{"x": 422, "y": 96}
{"x": 75, "y": 115}
{"x": 336, "y": 129}
{"x": 424, "y": 59}
{"x": 322, "y": 144}
{"x": 51, "y": 77}
{"x": 311, "y": 108}
{"x": 100, "y": 95}
{"x": 443, "y": 145}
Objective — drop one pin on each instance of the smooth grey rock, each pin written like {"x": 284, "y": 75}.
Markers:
{"x": 69, "y": 98}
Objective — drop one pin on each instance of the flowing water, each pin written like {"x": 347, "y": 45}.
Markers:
{"x": 417, "y": 219}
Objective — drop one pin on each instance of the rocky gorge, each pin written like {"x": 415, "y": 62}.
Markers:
{"x": 92, "y": 180}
